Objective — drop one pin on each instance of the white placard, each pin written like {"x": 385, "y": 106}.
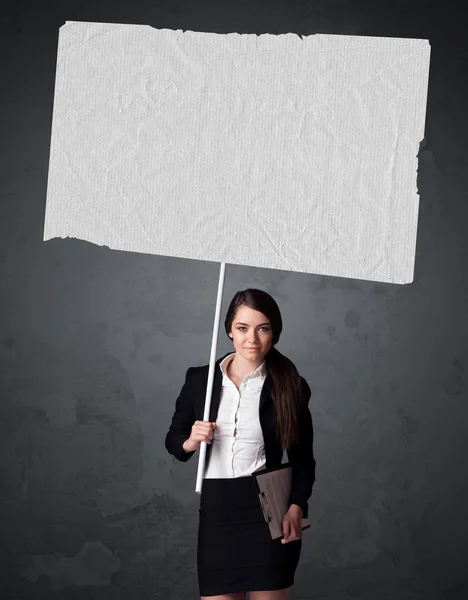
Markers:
{"x": 269, "y": 151}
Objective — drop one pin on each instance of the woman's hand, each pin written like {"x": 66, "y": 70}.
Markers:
{"x": 292, "y": 524}
{"x": 202, "y": 431}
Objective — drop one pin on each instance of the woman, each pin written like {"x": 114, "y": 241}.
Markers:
{"x": 259, "y": 407}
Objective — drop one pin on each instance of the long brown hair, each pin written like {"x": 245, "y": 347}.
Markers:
{"x": 287, "y": 388}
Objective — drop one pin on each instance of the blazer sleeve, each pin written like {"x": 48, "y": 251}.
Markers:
{"x": 301, "y": 456}
{"x": 182, "y": 421}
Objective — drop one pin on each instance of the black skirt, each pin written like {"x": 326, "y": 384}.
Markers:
{"x": 235, "y": 552}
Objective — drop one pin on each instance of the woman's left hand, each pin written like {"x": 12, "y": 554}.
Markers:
{"x": 292, "y": 525}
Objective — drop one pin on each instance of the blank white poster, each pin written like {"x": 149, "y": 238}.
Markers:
{"x": 268, "y": 151}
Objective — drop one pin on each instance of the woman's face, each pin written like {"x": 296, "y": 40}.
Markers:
{"x": 251, "y": 329}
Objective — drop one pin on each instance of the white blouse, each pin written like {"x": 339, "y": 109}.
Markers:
{"x": 237, "y": 446}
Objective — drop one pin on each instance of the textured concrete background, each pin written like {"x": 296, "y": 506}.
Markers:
{"x": 94, "y": 345}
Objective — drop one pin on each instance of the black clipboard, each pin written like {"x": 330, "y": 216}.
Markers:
{"x": 274, "y": 488}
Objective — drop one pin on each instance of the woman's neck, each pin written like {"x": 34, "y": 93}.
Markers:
{"x": 240, "y": 368}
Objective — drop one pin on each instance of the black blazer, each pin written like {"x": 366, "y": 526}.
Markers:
{"x": 190, "y": 407}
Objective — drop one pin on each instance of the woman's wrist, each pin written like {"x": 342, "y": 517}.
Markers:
{"x": 297, "y": 509}
{"x": 186, "y": 446}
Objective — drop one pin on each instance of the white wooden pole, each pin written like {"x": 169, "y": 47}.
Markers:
{"x": 209, "y": 387}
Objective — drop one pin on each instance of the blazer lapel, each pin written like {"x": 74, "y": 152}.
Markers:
{"x": 216, "y": 392}
{"x": 266, "y": 391}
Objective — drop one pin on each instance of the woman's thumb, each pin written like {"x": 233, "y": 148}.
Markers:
{"x": 285, "y": 530}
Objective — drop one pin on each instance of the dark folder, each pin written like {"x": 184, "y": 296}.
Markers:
{"x": 274, "y": 488}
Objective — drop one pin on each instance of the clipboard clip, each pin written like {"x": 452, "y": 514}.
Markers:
{"x": 265, "y": 507}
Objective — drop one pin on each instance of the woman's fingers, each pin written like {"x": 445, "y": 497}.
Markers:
{"x": 203, "y": 431}
{"x": 200, "y": 437}
{"x": 286, "y": 531}
{"x": 289, "y": 531}
{"x": 204, "y": 425}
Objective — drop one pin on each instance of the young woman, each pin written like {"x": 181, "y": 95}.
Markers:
{"x": 259, "y": 408}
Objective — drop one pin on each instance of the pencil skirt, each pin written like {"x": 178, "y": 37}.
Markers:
{"x": 235, "y": 552}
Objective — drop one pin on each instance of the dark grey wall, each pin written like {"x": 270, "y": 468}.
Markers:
{"x": 94, "y": 345}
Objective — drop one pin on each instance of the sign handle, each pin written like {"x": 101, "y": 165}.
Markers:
{"x": 209, "y": 387}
